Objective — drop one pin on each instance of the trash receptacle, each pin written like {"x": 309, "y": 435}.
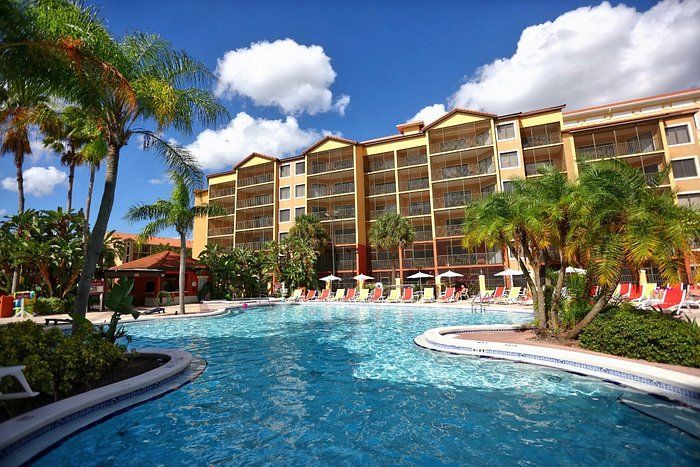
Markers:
{"x": 6, "y": 308}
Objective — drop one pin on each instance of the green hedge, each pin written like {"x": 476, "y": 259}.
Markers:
{"x": 651, "y": 336}
{"x": 56, "y": 364}
{"x": 47, "y": 306}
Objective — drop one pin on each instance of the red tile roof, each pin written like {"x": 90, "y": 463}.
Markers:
{"x": 327, "y": 138}
{"x": 255, "y": 154}
{"x": 632, "y": 101}
{"x": 455, "y": 111}
{"x": 163, "y": 261}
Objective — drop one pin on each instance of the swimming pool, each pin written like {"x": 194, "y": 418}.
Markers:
{"x": 345, "y": 385}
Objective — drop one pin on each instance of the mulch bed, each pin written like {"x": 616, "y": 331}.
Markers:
{"x": 134, "y": 366}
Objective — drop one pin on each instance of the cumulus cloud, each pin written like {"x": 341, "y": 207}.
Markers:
{"x": 38, "y": 181}
{"x": 162, "y": 180}
{"x": 215, "y": 149}
{"x": 429, "y": 114}
{"x": 589, "y": 56}
{"x": 3, "y": 212}
{"x": 293, "y": 77}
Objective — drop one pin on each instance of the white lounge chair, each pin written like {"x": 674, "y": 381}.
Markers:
{"x": 16, "y": 371}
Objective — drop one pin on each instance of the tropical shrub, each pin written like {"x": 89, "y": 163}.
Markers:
{"x": 56, "y": 364}
{"x": 49, "y": 306}
{"x": 652, "y": 336}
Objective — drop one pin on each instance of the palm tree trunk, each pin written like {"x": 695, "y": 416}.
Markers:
{"x": 71, "y": 177}
{"x": 557, "y": 299}
{"x": 602, "y": 302}
{"x": 20, "y": 210}
{"x": 183, "y": 264}
{"x": 88, "y": 204}
{"x": 538, "y": 299}
{"x": 98, "y": 232}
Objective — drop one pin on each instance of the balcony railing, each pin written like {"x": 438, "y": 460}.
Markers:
{"x": 414, "y": 184}
{"x": 345, "y": 265}
{"x": 230, "y": 210}
{"x": 533, "y": 168}
{"x": 418, "y": 209}
{"x": 449, "y": 230}
{"x": 606, "y": 150}
{"x": 221, "y": 192}
{"x": 481, "y": 139}
{"x": 375, "y": 166}
{"x": 382, "y": 189}
{"x": 254, "y": 223}
{"x": 214, "y": 231}
{"x": 485, "y": 167}
{"x": 378, "y": 264}
{"x": 256, "y": 201}
{"x": 373, "y": 215}
{"x": 344, "y": 239}
{"x": 541, "y": 140}
{"x": 339, "y": 213}
{"x": 455, "y": 199}
{"x": 470, "y": 259}
{"x": 423, "y": 235}
{"x": 328, "y": 190}
{"x": 413, "y": 160}
{"x": 321, "y": 167}
{"x": 255, "y": 180}
{"x": 418, "y": 263}
{"x": 253, "y": 246}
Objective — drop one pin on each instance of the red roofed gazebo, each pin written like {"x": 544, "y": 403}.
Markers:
{"x": 159, "y": 273}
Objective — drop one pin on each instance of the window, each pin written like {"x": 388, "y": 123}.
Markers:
{"x": 507, "y": 185}
{"x": 508, "y": 159}
{"x": 285, "y": 192}
{"x": 299, "y": 191}
{"x": 691, "y": 200}
{"x": 299, "y": 211}
{"x": 678, "y": 135}
{"x": 684, "y": 168}
{"x": 284, "y": 215}
{"x": 300, "y": 168}
{"x": 505, "y": 131}
{"x": 283, "y": 235}
{"x": 285, "y": 170}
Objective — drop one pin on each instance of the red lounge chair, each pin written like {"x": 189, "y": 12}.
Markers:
{"x": 376, "y": 295}
{"x": 324, "y": 295}
{"x": 593, "y": 292}
{"x": 407, "y": 295}
{"x": 635, "y": 292}
{"x": 309, "y": 296}
{"x": 496, "y": 295}
{"x": 624, "y": 290}
{"x": 449, "y": 295}
{"x": 673, "y": 300}
{"x": 350, "y": 296}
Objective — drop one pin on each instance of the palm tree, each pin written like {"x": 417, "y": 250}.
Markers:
{"x": 179, "y": 213}
{"x": 391, "y": 232}
{"x": 308, "y": 227}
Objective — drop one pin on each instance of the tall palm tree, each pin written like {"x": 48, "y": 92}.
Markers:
{"x": 179, "y": 213}
{"x": 391, "y": 232}
{"x": 308, "y": 227}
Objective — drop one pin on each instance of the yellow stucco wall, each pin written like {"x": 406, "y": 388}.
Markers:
{"x": 199, "y": 234}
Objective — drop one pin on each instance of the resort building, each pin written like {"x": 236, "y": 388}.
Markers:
{"x": 133, "y": 248}
{"x": 428, "y": 173}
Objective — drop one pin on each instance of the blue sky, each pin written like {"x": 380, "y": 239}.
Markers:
{"x": 378, "y": 64}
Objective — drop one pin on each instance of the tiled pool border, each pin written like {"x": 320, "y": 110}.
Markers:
{"x": 670, "y": 384}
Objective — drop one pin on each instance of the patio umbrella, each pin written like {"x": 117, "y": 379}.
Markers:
{"x": 573, "y": 270}
{"x": 329, "y": 279}
{"x": 361, "y": 278}
{"x": 508, "y": 273}
{"x": 449, "y": 274}
{"x": 420, "y": 276}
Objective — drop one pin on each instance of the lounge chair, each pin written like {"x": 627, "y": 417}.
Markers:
{"x": 350, "y": 295}
{"x": 622, "y": 291}
{"x": 407, "y": 295}
{"x": 377, "y": 295}
{"x": 339, "y": 294}
{"x": 484, "y": 297}
{"x": 525, "y": 299}
{"x": 16, "y": 372}
{"x": 362, "y": 296}
{"x": 448, "y": 296}
{"x": 152, "y": 311}
{"x": 57, "y": 321}
{"x": 394, "y": 296}
{"x": 296, "y": 295}
{"x": 310, "y": 295}
{"x": 497, "y": 294}
{"x": 673, "y": 301}
{"x": 428, "y": 295}
{"x": 511, "y": 298}
{"x": 324, "y": 295}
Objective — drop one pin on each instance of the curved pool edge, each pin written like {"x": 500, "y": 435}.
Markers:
{"x": 31, "y": 434}
{"x": 669, "y": 384}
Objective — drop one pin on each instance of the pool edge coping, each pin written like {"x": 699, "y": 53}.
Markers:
{"x": 670, "y": 384}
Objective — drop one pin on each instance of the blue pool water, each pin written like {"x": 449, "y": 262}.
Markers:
{"x": 346, "y": 385}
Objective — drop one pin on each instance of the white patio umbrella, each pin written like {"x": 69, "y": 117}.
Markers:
{"x": 573, "y": 270}
{"x": 449, "y": 274}
{"x": 509, "y": 273}
{"x": 329, "y": 279}
{"x": 361, "y": 278}
{"x": 420, "y": 276}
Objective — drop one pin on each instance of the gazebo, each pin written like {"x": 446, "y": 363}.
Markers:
{"x": 159, "y": 273}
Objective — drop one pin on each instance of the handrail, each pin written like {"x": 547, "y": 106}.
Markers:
{"x": 254, "y": 223}
{"x": 486, "y": 167}
{"x": 321, "y": 167}
{"x": 470, "y": 259}
{"x": 255, "y": 201}
{"x": 605, "y": 150}
{"x": 414, "y": 184}
{"x": 255, "y": 180}
{"x": 542, "y": 139}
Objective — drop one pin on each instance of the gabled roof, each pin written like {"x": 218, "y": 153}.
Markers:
{"x": 632, "y": 101}
{"x": 622, "y": 121}
{"x": 318, "y": 143}
{"x": 163, "y": 261}
{"x": 253, "y": 155}
{"x": 457, "y": 110}
{"x": 533, "y": 112}
{"x": 174, "y": 242}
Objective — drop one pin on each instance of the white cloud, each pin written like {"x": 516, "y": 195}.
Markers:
{"x": 3, "y": 212}
{"x": 162, "y": 180}
{"x": 590, "y": 56}
{"x": 294, "y": 77}
{"x": 215, "y": 149}
{"x": 38, "y": 181}
{"x": 429, "y": 114}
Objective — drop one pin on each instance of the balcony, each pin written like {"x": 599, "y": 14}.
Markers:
{"x": 423, "y": 235}
{"x": 418, "y": 263}
{"x": 344, "y": 239}
{"x": 221, "y": 192}
{"x": 216, "y": 231}
{"x": 416, "y": 209}
{"x": 376, "y": 213}
{"x": 540, "y": 135}
{"x": 230, "y": 210}
{"x": 382, "y": 189}
{"x": 484, "y": 167}
{"x": 317, "y": 191}
{"x": 375, "y": 166}
{"x": 533, "y": 168}
{"x": 470, "y": 259}
{"x": 453, "y": 230}
{"x": 255, "y": 201}
{"x": 338, "y": 213}
{"x": 384, "y": 264}
{"x": 629, "y": 148}
{"x": 414, "y": 184}
{"x": 252, "y": 246}
{"x": 259, "y": 223}
{"x": 322, "y": 167}
{"x": 345, "y": 265}
{"x": 417, "y": 159}
{"x": 455, "y": 199}
{"x": 256, "y": 180}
